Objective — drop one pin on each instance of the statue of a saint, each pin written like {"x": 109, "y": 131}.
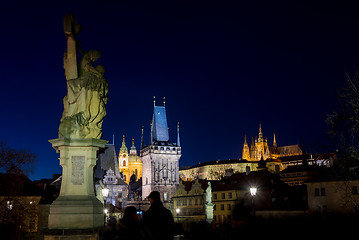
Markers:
{"x": 87, "y": 90}
{"x": 209, "y": 193}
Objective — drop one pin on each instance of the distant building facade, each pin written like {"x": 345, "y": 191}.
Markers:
{"x": 333, "y": 197}
{"x": 160, "y": 159}
{"x": 188, "y": 201}
{"x": 215, "y": 170}
{"x": 107, "y": 175}
{"x": 129, "y": 163}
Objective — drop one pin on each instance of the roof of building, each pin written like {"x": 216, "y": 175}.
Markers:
{"x": 107, "y": 160}
{"x": 159, "y": 124}
{"x": 313, "y": 156}
{"x": 188, "y": 184}
{"x": 12, "y": 184}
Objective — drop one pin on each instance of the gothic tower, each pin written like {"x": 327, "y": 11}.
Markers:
{"x": 245, "y": 152}
{"x": 160, "y": 167}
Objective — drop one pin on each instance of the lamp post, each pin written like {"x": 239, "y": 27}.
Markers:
{"x": 105, "y": 192}
{"x": 105, "y": 211}
{"x": 253, "y": 192}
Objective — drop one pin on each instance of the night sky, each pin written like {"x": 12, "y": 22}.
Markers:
{"x": 224, "y": 67}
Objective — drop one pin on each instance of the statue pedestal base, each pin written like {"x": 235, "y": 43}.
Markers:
{"x": 77, "y": 206}
{"x": 209, "y": 212}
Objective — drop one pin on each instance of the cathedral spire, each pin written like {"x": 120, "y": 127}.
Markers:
{"x": 178, "y": 136}
{"x": 252, "y": 144}
{"x": 274, "y": 141}
{"x": 245, "y": 140}
{"x": 260, "y": 138}
{"x": 245, "y": 151}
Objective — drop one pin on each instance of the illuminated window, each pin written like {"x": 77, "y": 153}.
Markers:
{"x": 124, "y": 162}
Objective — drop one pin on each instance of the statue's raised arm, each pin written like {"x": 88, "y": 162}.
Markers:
{"x": 71, "y": 30}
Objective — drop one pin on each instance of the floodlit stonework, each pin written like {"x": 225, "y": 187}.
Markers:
{"x": 260, "y": 149}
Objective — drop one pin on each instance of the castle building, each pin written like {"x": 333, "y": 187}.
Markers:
{"x": 160, "y": 158}
{"x": 129, "y": 163}
{"x": 260, "y": 149}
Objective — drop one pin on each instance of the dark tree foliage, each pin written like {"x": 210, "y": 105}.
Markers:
{"x": 344, "y": 128}
{"x": 16, "y": 160}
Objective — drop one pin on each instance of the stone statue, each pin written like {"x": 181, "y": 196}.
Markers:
{"x": 99, "y": 191}
{"x": 209, "y": 193}
{"x": 87, "y": 90}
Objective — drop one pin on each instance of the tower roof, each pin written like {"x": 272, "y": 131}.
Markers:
{"x": 133, "y": 150}
{"x": 159, "y": 129}
{"x": 123, "y": 148}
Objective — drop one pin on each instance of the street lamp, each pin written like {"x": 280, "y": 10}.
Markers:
{"x": 105, "y": 192}
{"x": 253, "y": 192}
{"x": 178, "y": 211}
{"x": 105, "y": 211}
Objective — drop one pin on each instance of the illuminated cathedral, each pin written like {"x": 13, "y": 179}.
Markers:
{"x": 260, "y": 149}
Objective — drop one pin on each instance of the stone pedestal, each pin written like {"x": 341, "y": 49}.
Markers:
{"x": 209, "y": 212}
{"x": 77, "y": 206}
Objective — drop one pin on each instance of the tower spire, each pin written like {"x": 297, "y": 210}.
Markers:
{"x": 178, "y": 136}
{"x": 164, "y": 101}
{"x": 142, "y": 137}
{"x": 154, "y": 101}
{"x": 274, "y": 141}
{"x": 260, "y": 138}
{"x": 123, "y": 147}
{"x": 245, "y": 140}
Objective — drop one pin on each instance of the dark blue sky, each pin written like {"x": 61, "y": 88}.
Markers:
{"x": 223, "y": 67}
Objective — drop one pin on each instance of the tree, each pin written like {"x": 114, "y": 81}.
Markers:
{"x": 344, "y": 128}
{"x": 16, "y": 160}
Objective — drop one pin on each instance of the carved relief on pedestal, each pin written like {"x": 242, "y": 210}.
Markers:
{"x": 77, "y": 176}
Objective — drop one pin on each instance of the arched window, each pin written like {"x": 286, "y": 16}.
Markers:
{"x": 136, "y": 172}
{"x": 146, "y": 180}
{"x": 124, "y": 163}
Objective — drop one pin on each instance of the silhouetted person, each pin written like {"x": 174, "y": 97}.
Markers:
{"x": 158, "y": 219}
{"x": 129, "y": 226}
